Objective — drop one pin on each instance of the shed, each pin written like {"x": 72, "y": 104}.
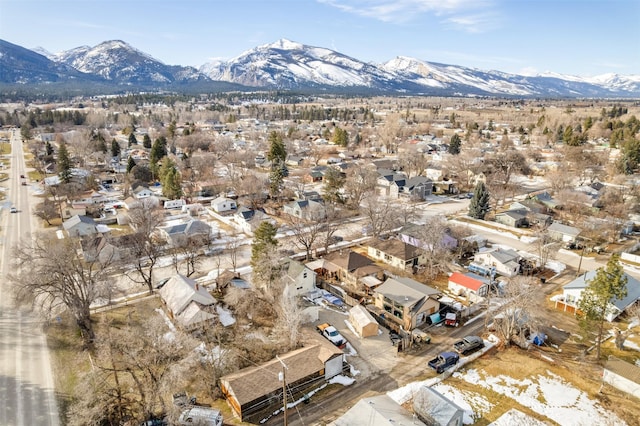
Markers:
{"x": 622, "y": 375}
{"x": 362, "y": 321}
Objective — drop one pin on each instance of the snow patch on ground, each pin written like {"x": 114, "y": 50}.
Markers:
{"x": 516, "y": 417}
{"x": 474, "y": 405}
{"x": 225, "y": 316}
{"x": 548, "y": 395}
{"x": 343, "y": 380}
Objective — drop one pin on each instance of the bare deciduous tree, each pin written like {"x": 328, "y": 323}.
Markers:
{"x": 51, "y": 276}
{"x": 382, "y": 215}
{"x": 436, "y": 245}
{"x": 360, "y": 182}
{"x": 514, "y": 316}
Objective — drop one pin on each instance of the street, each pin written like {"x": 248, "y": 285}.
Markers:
{"x": 26, "y": 380}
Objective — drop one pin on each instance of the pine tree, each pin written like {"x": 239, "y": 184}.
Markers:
{"x": 333, "y": 184}
{"x": 131, "y": 163}
{"x": 158, "y": 152}
{"x": 132, "y": 140}
{"x": 454, "y": 145}
{"x": 171, "y": 182}
{"x": 146, "y": 142}
{"x": 277, "y": 151}
{"x": 115, "y": 148}
{"x": 64, "y": 163}
{"x": 610, "y": 283}
{"x": 264, "y": 244}
{"x": 479, "y": 204}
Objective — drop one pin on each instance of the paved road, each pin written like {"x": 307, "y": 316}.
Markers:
{"x": 27, "y": 394}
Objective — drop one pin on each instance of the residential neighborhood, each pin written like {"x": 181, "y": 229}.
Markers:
{"x": 223, "y": 244}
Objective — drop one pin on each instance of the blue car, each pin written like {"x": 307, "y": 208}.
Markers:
{"x": 444, "y": 361}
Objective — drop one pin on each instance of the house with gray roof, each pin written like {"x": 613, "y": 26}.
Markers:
{"x": 433, "y": 408}
{"x": 378, "y": 410}
{"x": 572, "y": 292}
{"x": 564, "y": 233}
{"x": 512, "y": 218}
{"x": 190, "y": 230}
{"x": 306, "y": 209}
{"x": 406, "y": 301}
{"x": 80, "y": 226}
{"x": 187, "y": 302}
{"x": 505, "y": 261}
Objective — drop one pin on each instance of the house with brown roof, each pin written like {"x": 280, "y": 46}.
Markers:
{"x": 254, "y": 393}
{"x": 349, "y": 267}
{"x": 396, "y": 253}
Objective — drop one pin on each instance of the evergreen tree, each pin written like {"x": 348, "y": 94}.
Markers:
{"x": 115, "y": 148}
{"x": 276, "y": 179}
{"x": 340, "y": 137}
{"x": 132, "y": 139}
{"x": 146, "y": 141}
{"x": 131, "y": 163}
{"x": 479, "y": 204}
{"x": 333, "y": 184}
{"x": 48, "y": 148}
{"x": 171, "y": 180}
{"x": 277, "y": 151}
{"x": 64, "y": 163}
{"x": 263, "y": 246}
{"x": 158, "y": 152}
{"x": 454, "y": 144}
{"x": 609, "y": 284}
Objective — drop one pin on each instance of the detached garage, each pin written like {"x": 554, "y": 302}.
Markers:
{"x": 362, "y": 321}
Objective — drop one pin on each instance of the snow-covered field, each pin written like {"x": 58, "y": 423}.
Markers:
{"x": 548, "y": 395}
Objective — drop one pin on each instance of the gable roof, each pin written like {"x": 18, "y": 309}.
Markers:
{"x": 466, "y": 281}
{"x": 378, "y": 410}
{"x": 623, "y": 368}
{"x": 76, "y": 220}
{"x": 252, "y": 383}
{"x": 502, "y": 256}
{"x": 180, "y": 291}
{"x": 430, "y": 404}
{"x": 396, "y": 248}
{"x": 349, "y": 262}
{"x": 564, "y": 229}
{"x": 633, "y": 288}
{"x": 405, "y": 291}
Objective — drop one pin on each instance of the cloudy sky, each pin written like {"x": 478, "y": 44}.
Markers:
{"x": 577, "y": 37}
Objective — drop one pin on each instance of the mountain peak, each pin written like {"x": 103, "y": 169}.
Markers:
{"x": 285, "y": 44}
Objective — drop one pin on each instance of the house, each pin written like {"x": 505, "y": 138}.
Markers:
{"x": 255, "y": 392}
{"x": 294, "y": 160}
{"x": 378, "y": 410}
{"x": 229, "y": 279}
{"x": 72, "y": 209}
{"x": 248, "y": 220}
{"x": 513, "y": 218}
{"x": 415, "y": 235}
{"x": 349, "y": 267}
{"x": 363, "y": 322}
{"x": 564, "y": 233}
{"x": 140, "y": 192}
{"x": 408, "y": 302}
{"x": 187, "y": 302}
{"x": 308, "y": 210}
{"x": 390, "y": 183}
{"x": 179, "y": 233}
{"x": 107, "y": 249}
{"x": 396, "y": 253}
{"x": 223, "y": 204}
{"x": 622, "y": 375}
{"x": 314, "y": 176}
{"x": 80, "y": 226}
{"x": 546, "y": 199}
{"x": 572, "y": 292}
{"x": 417, "y": 188}
{"x": 471, "y": 286}
{"x": 298, "y": 278}
{"x": 505, "y": 261}
{"x": 433, "y": 408}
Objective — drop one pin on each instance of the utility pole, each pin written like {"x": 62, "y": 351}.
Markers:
{"x": 283, "y": 378}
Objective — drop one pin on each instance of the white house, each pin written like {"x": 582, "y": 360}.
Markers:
{"x": 223, "y": 204}
{"x": 187, "y": 302}
{"x": 299, "y": 279}
{"x": 80, "y": 226}
{"x": 572, "y": 293}
{"x": 306, "y": 210}
{"x": 141, "y": 192}
{"x": 471, "y": 286}
{"x": 506, "y": 261}
{"x": 248, "y": 220}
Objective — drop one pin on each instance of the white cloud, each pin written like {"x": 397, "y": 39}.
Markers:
{"x": 473, "y": 23}
{"x": 398, "y": 11}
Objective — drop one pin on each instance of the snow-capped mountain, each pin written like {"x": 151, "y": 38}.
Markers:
{"x": 117, "y": 61}
{"x": 290, "y": 65}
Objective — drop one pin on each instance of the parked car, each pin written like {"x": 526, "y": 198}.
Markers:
{"x": 13, "y": 209}
{"x": 444, "y": 361}
{"x": 332, "y": 334}
{"x": 468, "y": 345}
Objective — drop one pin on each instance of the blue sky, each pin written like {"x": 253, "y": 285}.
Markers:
{"x": 577, "y": 37}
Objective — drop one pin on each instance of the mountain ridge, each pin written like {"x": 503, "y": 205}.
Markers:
{"x": 290, "y": 65}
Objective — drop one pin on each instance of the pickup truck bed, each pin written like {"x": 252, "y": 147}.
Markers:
{"x": 444, "y": 361}
{"x": 332, "y": 334}
{"x": 468, "y": 345}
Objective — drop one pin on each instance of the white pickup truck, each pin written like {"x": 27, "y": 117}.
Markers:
{"x": 331, "y": 333}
